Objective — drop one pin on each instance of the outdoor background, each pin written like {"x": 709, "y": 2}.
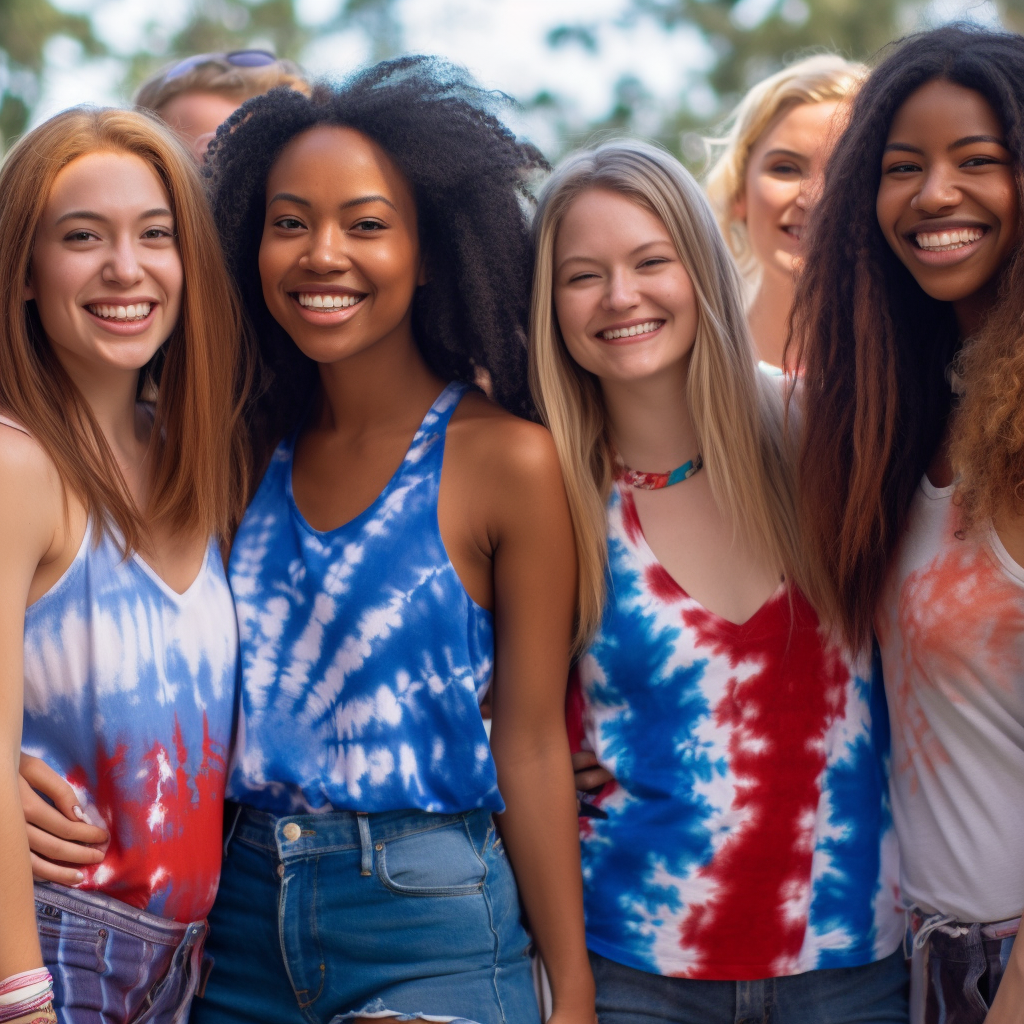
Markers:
{"x": 667, "y": 69}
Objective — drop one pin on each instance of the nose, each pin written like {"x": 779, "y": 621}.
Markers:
{"x": 810, "y": 190}
{"x": 938, "y": 191}
{"x": 327, "y": 252}
{"x": 620, "y": 292}
{"x": 122, "y": 267}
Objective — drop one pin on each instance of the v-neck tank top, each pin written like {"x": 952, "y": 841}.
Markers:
{"x": 748, "y": 831}
{"x": 363, "y": 657}
{"x": 129, "y": 695}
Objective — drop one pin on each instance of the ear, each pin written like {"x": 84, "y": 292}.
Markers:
{"x": 739, "y": 208}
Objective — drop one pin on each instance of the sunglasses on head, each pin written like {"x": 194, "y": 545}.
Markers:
{"x": 237, "y": 58}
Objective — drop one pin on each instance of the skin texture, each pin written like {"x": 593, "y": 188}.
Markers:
{"x": 615, "y": 266}
{"x": 123, "y": 249}
{"x": 195, "y": 117}
{"x": 784, "y": 177}
{"x": 341, "y": 220}
{"x": 945, "y": 168}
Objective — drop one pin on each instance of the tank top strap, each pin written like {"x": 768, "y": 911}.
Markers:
{"x": 8, "y": 422}
{"x": 425, "y": 453}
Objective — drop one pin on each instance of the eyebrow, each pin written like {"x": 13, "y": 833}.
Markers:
{"x": 633, "y": 252}
{"x": 360, "y": 201}
{"x": 158, "y": 211}
{"x": 785, "y": 152}
{"x": 967, "y": 140}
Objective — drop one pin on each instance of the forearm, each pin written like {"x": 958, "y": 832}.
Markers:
{"x": 540, "y": 832}
{"x": 1008, "y": 1007}
{"x": 19, "y": 939}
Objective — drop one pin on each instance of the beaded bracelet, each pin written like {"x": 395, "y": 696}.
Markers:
{"x": 25, "y": 992}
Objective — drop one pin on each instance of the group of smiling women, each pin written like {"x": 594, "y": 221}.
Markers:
{"x": 744, "y": 574}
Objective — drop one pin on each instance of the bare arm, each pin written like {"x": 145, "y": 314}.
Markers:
{"x": 27, "y": 531}
{"x": 534, "y": 600}
{"x": 1008, "y": 1007}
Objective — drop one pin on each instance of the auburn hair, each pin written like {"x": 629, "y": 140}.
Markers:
{"x": 197, "y": 455}
{"x": 736, "y": 411}
{"x": 877, "y": 350}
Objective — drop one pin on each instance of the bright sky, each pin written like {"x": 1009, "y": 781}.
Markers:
{"x": 501, "y": 41}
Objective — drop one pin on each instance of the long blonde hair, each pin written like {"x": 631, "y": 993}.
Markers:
{"x": 822, "y": 78}
{"x": 197, "y": 453}
{"x": 736, "y": 411}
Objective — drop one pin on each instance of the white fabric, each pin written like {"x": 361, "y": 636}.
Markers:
{"x": 950, "y": 624}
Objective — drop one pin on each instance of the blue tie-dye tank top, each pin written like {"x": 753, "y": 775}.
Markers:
{"x": 129, "y": 695}
{"x": 363, "y": 657}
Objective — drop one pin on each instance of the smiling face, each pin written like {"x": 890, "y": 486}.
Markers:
{"x": 947, "y": 201}
{"x": 340, "y": 257}
{"x": 105, "y": 274}
{"x": 624, "y": 301}
{"x": 783, "y": 179}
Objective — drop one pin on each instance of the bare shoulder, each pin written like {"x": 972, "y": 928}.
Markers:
{"x": 29, "y": 482}
{"x": 500, "y": 445}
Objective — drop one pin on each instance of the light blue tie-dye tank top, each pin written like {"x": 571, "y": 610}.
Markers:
{"x": 363, "y": 657}
{"x": 129, "y": 695}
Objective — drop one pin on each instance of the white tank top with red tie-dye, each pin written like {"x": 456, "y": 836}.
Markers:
{"x": 951, "y": 628}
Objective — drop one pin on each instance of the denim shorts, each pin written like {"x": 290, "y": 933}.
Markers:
{"x": 956, "y": 968}
{"x": 875, "y": 992}
{"x": 113, "y": 964}
{"x": 401, "y": 914}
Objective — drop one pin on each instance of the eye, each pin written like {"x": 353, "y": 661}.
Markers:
{"x": 156, "y": 234}
{"x": 654, "y": 261}
{"x": 585, "y": 275}
{"x": 981, "y": 161}
{"x": 289, "y": 223}
{"x": 784, "y": 168}
{"x": 903, "y": 168}
{"x": 81, "y": 235}
{"x": 368, "y": 225}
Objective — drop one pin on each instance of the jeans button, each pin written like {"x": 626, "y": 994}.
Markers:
{"x": 292, "y": 831}
{"x": 280, "y": 871}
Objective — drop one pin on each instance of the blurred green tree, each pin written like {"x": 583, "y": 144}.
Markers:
{"x": 26, "y": 26}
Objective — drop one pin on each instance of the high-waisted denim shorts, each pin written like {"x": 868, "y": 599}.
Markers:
{"x": 114, "y": 964}
{"x": 403, "y": 915}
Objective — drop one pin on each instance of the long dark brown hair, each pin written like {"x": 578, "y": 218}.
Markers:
{"x": 874, "y": 346}
{"x": 198, "y": 456}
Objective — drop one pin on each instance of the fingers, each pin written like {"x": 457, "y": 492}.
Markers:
{"x": 42, "y": 778}
{"x": 593, "y": 778}
{"x": 48, "y": 819}
{"x": 583, "y": 759}
{"x": 45, "y": 845}
{"x": 44, "y": 871}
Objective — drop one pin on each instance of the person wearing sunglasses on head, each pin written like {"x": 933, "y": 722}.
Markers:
{"x": 197, "y": 94}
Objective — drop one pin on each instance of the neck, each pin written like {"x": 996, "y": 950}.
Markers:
{"x": 649, "y": 420}
{"x": 768, "y": 316}
{"x": 382, "y": 383}
{"x": 971, "y": 311}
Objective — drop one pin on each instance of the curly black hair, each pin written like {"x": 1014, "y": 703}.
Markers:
{"x": 469, "y": 177}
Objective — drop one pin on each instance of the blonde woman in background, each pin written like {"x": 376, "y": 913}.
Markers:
{"x": 765, "y": 177}
{"x": 741, "y": 863}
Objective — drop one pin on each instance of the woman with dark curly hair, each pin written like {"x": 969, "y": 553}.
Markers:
{"x": 409, "y": 542}
{"x": 909, "y": 325}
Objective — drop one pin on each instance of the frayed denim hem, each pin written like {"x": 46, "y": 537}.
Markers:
{"x": 376, "y": 1010}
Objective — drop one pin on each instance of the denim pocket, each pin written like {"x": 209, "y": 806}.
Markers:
{"x": 438, "y": 862}
{"x": 70, "y": 941}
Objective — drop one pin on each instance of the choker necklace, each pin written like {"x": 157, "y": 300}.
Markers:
{"x": 655, "y": 481}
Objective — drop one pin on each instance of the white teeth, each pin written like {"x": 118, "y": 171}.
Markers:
{"x": 327, "y": 301}
{"x": 947, "y": 241}
{"x": 135, "y": 311}
{"x": 632, "y": 332}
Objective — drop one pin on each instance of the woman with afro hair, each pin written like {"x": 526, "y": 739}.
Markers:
{"x": 909, "y": 315}
{"x": 409, "y": 543}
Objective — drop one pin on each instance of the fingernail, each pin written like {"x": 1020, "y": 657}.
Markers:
{"x": 79, "y": 877}
{"x": 79, "y": 813}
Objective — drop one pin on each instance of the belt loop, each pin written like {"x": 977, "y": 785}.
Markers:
{"x": 366, "y": 846}
{"x": 232, "y": 815}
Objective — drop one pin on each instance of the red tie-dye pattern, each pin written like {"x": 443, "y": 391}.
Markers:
{"x": 165, "y": 827}
{"x": 960, "y": 605}
{"x": 760, "y": 872}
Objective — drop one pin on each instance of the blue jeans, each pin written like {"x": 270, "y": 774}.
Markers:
{"x": 841, "y": 995}
{"x": 111, "y": 963}
{"x": 327, "y": 917}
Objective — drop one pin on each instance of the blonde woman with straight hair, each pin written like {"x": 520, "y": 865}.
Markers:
{"x": 118, "y": 638}
{"x": 767, "y": 171}
{"x": 741, "y": 861}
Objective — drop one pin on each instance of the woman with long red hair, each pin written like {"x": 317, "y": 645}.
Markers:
{"x": 118, "y": 641}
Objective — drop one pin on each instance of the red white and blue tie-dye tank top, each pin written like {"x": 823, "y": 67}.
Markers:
{"x": 129, "y": 695}
{"x": 950, "y": 624}
{"x": 364, "y": 659}
{"x": 748, "y": 833}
